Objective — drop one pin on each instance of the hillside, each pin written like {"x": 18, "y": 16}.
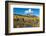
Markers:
{"x": 25, "y": 21}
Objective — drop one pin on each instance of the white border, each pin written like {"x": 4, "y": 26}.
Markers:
{"x": 16, "y": 30}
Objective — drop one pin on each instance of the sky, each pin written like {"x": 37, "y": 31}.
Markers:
{"x": 24, "y": 11}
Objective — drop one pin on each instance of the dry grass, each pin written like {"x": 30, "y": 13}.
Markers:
{"x": 27, "y": 22}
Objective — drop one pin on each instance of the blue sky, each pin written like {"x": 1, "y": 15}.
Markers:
{"x": 24, "y": 11}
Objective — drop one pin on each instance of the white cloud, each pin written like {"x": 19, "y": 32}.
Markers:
{"x": 28, "y": 11}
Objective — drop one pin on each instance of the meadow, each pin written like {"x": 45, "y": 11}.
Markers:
{"x": 21, "y": 21}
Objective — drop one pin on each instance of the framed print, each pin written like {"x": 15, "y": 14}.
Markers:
{"x": 24, "y": 17}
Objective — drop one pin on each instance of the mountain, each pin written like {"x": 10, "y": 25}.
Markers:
{"x": 26, "y": 15}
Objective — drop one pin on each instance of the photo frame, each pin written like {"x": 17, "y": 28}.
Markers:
{"x": 24, "y": 17}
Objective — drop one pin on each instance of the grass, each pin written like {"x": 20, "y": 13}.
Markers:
{"x": 20, "y": 23}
